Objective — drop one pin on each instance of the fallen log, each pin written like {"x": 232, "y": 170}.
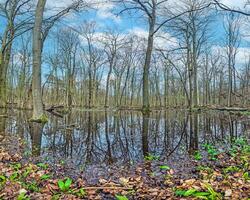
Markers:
{"x": 56, "y": 114}
{"x": 232, "y": 109}
{"x": 52, "y": 110}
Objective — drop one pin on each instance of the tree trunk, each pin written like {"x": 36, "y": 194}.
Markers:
{"x": 107, "y": 83}
{"x": 146, "y": 66}
{"x": 37, "y": 54}
{"x": 195, "y": 73}
{"x": 4, "y": 62}
{"x": 145, "y": 86}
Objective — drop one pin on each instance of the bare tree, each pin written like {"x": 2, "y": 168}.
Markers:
{"x": 232, "y": 43}
{"x": 17, "y": 20}
{"x": 229, "y": 9}
{"x": 39, "y": 36}
{"x": 153, "y": 11}
{"x": 112, "y": 42}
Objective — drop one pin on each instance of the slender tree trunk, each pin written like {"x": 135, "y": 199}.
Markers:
{"x": 37, "y": 54}
{"x": 4, "y": 61}
{"x": 166, "y": 86}
{"x": 145, "y": 129}
{"x": 195, "y": 73}
{"x": 230, "y": 85}
{"x": 145, "y": 90}
{"x": 107, "y": 83}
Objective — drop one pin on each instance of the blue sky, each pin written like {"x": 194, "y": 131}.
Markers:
{"x": 104, "y": 16}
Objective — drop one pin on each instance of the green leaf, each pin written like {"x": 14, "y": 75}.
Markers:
{"x": 22, "y": 196}
{"x": 68, "y": 183}
{"x": 16, "y": 166}
{"x": 55, "y": 197}
{"x": 33, "y": 187}
{"x": 61, "y": 185}
{"x": 121, "y": 197}
{"x": 197, "y": 194}
{"x": 197, "y": 155}
{"x": 14, "y": 176}
{"x": 2, "y": 178}
{"x": 165, "y": 167}
{"x": 246, "y": 176}
{"x": 180, "y": 192}
{"x": 42, "y": 165}
{"x": 190, "y": 192}
{"x": 214, "y": 195}
{"x": 81, "y": 193}
{"x": 151, "y": 157}
{"x": 45, "y": 177}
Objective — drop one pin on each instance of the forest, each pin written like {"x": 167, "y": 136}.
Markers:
{"x": 124, "y": 99}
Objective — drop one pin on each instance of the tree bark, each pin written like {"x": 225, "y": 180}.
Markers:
{"x": 37, "y": 54}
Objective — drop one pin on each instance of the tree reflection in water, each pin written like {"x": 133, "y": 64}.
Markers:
{"x": 36, "y": 130}
{"x": 91, "y": 137}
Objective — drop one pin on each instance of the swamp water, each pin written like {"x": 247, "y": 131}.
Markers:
{"x": 87, "y": 139}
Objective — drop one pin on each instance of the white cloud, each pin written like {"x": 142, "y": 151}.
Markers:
{"x": 243, "y": 53}
{"x": 58, "y": 4}
{"x": 104, "y": 11}
{"x": 234, "y": 3}
{"x": 104, "y": 8}
{"x": 162, "y": 40}
{"x": 139, "y": 32}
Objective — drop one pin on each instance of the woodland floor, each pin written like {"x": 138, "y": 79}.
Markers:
{"x": 212, "y": 175}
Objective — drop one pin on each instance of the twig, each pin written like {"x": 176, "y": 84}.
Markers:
{"x": 107, "y": 187}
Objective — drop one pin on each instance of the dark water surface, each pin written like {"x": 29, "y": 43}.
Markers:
{"x": 90, "y": 138}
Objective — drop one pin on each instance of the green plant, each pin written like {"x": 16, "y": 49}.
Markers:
{"x": 2, "y": 181}
{"x": 164, "y": 167}
{"x": 204, "y": 168}
{"x": 121, "y": 197}
{"x": 28, "y": 170}
{"x": 32, "y": 186}
{"x": 55, "y": 197}
{"x": 233, "y": 151}
{"x": 16, "y": 166}
{"x": 231, "y": 169}
{"x": 213, "y": 194}
{"x": 197, "y": 155}
{"x": 185, "y": 193}
{"x": 80, "y": 193}
{"x": 211, "y": 150}
{"x": 64, "y": 186}
{"x": 210, "y": 194}
{"x": 240, "y": 142}
{"x": 246, "y": 176}
{"x": 246, "y": 149}
{"x": 151, "y": 157}
{"x": 23, "y": 196}
{"x": 2, "y": 178}
{"x": 45, "y": 177}
{"x": 43, "y": 166}
{"x": 14, "y": 176}
{"x": 246, "y": 113}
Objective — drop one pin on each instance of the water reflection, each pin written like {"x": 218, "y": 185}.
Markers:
{"x": 145, "y": 123}
{"x": 36, "y": 131}
{"x": 85, "y": 137}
